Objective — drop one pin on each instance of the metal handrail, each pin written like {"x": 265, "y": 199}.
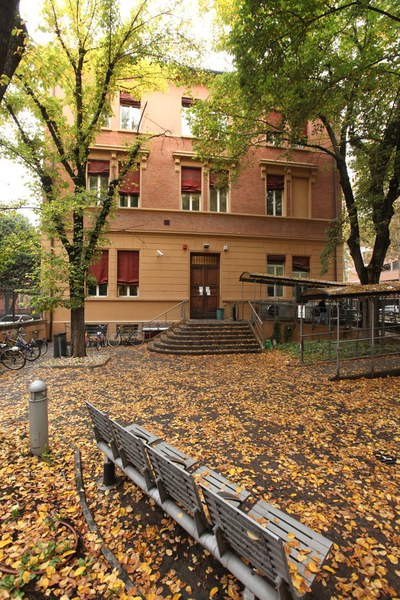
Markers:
{"x": 257, "y": 325}
{"x": 165, "y": 312}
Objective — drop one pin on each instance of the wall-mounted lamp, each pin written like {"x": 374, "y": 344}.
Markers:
{"x": 159, "y": 253}
{"x": 206, "y": 246}
{"x": 184, "y": 246}
{"x": 225, "y": 248}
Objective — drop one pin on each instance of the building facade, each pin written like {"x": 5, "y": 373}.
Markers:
{"x": 182, "y": 233}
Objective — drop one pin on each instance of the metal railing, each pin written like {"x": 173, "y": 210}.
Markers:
{"x": 257, "y": 325}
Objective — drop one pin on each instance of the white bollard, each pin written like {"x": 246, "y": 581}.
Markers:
{"x": 38, "y": 417}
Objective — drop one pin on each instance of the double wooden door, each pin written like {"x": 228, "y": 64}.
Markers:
{"x": 204, "y": 286}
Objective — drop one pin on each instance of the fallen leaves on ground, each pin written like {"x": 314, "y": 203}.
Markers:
{"x": 288, "y": 435}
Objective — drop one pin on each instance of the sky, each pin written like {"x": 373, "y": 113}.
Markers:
{"x": 14, "y": 178}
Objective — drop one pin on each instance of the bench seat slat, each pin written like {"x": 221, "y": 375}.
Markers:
{"x": 218, "y": 483}
{"x": 304, "y": 545}
{"x": 175, "y": 455}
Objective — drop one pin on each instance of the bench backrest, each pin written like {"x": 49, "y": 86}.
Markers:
{"x": 102, "y": 426}
{"x": 177, "y": 483}
{"x": 305, "y": 548}
{"x": 131, "y": 448}
{"x": 246, "y": 537}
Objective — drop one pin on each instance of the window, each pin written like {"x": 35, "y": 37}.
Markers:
{"x": 301, "y": 266}
{"x": 128, "y": 272}
{"x": 99, "y": 271}
{"x": 105, "y": 121}
{"x": 98, "y": 176}
{"x": 129, "y": 188}
{"x": 130, "y": 112}
{"x": 275, "y": 189}
{"x": 395, "y": 265}
{"x": 186, "y": 129}
{"x": 191, "y": 188}
{"x": 219, "y": 191}
{"x": 275, "y": 266}
{"x": 300, "y": 269}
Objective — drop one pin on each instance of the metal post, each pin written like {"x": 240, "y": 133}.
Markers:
{"x": 109, "y": 480}
{"x": 38, "y": 417}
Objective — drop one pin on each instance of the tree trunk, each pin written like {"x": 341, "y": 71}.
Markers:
{"x": 78, "y": 346}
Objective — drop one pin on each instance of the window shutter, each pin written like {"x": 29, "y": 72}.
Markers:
{"x": 275, "y": 182}
{"x": 126, "y": 99}
{"x": 191, "y": 180}
{"x": 99, "y": 270}
{"x": 301, "y": 263}
{"x": 131, "y": 182}
{"x": 128, "y": 267}
{"x": 98, "y": 167}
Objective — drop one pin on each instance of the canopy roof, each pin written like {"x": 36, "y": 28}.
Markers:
{"x": 389, "y": 288}
{"x": 267, "y": 279}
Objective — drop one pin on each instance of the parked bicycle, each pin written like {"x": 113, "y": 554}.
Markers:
{"x": 41, "y": 342}
{"x": 96, "y": 336}
{"x": 128, "y": 335}
{"x": 12, "y": 357}
{"x": 30, "y": 350}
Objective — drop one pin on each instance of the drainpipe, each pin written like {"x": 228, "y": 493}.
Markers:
{"x": 335, "y": 266}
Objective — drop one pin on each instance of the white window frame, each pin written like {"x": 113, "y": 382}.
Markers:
{"x": 218, "y": 191}
{"x": 193, "y": 198}
{"x": 98, "y": 289}
{"x": 98, "y": 188}
{"x": 130, "y": 117}
{"x": 131, "y": 290}
{"x": 278, "y": 289}
{"x": 132, "y": 200}
{"x": 275, "y": 201}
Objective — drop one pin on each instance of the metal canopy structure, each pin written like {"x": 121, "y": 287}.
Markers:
{"x": 374, "y": 344}
{"x": 380, "y": 290}
{"x": 267, "y": 279}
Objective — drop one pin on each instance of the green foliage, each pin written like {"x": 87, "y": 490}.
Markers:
{"x": 335, "y": 65}
{"x": 19, "y": 251}
{"x": 62, "y": 92}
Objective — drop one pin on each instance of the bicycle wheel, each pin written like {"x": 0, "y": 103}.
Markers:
{"x": 44, "y": 346}
{"x": 115, "y": 341}
{"x": 136, "y": 338}
{"x": 31, "y": 352}
{"x": 12, "y": 359}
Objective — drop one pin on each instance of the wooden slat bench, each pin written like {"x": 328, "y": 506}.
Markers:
{"x": 270, "y": 552}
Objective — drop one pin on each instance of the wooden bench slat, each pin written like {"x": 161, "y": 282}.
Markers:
{"x": 131, "y": 448}
{"x": 218, "y": 483}
{"x": 304, "y": 544}
{"x": 175, "y": 455}
{"x": 102, "y": 428}
{"x": 246, "y": 537}
{"x": 177, "y": 482}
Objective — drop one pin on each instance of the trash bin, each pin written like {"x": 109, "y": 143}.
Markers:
{"x": 268, "y": 345}
{"x": 220, "y": 314}
{"x": 60, "y": 345}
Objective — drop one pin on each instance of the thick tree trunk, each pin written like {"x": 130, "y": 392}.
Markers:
{"x": 77, "y": 297}
{"x": 78, "y": 346}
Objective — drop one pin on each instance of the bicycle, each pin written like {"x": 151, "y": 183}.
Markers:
{"x": 96, "y": 336}
{"x": 127, "y": 335}
{"x": 12, "y": 358}
{"x": 41, "y": 342}
{"x": 30, "y": 350}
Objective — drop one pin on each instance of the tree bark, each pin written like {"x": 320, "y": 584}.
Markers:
{"x": 78, "y": 346}
{"x": 11, "y": 44}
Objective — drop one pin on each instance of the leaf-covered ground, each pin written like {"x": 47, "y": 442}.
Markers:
{"x": 287, "y": 434}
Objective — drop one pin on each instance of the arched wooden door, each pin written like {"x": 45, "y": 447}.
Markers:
{"x": 204, "y": 286}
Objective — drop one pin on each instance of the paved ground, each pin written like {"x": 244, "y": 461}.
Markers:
{"x": 288, "y": 435}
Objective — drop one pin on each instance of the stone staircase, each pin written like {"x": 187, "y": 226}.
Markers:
{"x": 207, "y": 337}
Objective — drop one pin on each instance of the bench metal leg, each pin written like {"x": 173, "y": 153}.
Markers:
{"x": 110, "y": 480}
